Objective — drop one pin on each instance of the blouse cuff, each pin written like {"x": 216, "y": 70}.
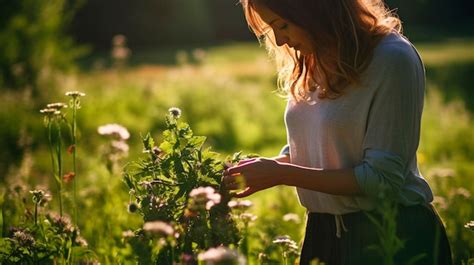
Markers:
{"x": 380, "y": 172}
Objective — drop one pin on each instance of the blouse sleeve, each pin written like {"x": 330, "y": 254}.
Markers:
{"x": 393, "y": 125}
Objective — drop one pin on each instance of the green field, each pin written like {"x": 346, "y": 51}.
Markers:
{"x": 226, "y": 94}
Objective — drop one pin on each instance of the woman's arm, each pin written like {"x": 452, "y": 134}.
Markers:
{"x": 263, "y": 173}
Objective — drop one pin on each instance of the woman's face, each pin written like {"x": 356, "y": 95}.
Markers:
{"x": 285, "y": 31}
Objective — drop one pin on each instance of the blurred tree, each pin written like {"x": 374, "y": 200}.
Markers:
{"x": 33, "y": 44}
{"x": 151, "y": 23}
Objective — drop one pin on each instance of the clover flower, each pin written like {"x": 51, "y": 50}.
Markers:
{"x": 159, "y": 228}
{"x": 23, "y": 238}
{"x": 291, "y": 217}
{"x": 203, "y": 198}
{"x": 470, "y": 225}
{"x": 114, "y": 129}
{"x": 240, "y": 205}
{"x": 57, "y": 106}
{"x": 221, "y": 256}
{"x": 175, "y": 112}
{"x": 75, "y": 94}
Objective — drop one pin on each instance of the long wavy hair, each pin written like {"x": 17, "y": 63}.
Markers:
{"x": 344, "y": 34}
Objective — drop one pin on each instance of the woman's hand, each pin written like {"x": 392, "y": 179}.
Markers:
{"x": 253, "y": 175}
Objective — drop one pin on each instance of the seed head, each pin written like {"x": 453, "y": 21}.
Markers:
{"x": 132, "y": 207}
{"x": 175, "y": 112}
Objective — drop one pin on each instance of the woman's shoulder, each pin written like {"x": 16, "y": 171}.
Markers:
{"x": 395, "y": 54}
{"x": 394, "y": 51}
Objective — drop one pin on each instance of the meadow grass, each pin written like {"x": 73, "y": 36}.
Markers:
{"x": 229, "y": 97}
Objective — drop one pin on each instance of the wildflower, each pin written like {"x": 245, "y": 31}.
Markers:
{"x": 248, "y": 217}
{"x": 120, "y": 146}
{"x": 75, "y": 94}
{"x": 221, "y": 256}
{"x": 128, "y": 234}
{"x": 132, "y": 207}
{"x": 38, "y": 196}
{"x": 284, "y": 240}
{"x": 71, "y": 149}
{"x": 23, "y": 238}
{"x": 158, "y": 227}
{"x": 57, "y": 105}
{"x": 81, "y": 241}
{"x": 187, "y": 259}
{"x": 199, "y": 55}
{"x": 291, "y": 217}
{"x": 175, "y": 112}
{"x": 48, "y": 111}
{"x": 440, "y": 202}
{"x": 462, "y": 192}
{"x": 240, "y": 205}
{"x": 470, "y": 225}
{"x": 114, "y": 130}
{"x": 68, "y": 177}
{"x": 119, "y": 40}
{"x": 443, "y": 173}
{"x": 62, "y": 223}
{"x": 203, "y": 197}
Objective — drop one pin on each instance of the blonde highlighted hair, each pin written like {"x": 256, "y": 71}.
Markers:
{"x": 344, "y": 33}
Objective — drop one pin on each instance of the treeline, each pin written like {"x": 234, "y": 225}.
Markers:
{"x": 149, "y": 23}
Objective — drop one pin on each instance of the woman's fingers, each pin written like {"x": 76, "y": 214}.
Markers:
{"x": 245, "y": 161}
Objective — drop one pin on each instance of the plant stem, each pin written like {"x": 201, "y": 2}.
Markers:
{"x": 51, "y": 152}
{"x": 36, "y": 214}
{"x": 60, "y": 169}
{"x": 74, "y": 139}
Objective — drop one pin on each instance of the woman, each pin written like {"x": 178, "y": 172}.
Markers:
{"x": 355, "y": 90}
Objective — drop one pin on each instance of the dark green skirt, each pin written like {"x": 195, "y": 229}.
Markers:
{"x": 419, "y": 227}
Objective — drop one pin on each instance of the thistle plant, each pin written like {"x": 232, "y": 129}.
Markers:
{"x": 74, "y": 104}
{"x": 178, "y": 182}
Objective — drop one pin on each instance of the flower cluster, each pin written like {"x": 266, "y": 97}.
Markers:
{"x": 158, "y": 228}
{"x": 203, "y": 198}
{"x": 117, "y": 148}
{"x": 221, "y": 256}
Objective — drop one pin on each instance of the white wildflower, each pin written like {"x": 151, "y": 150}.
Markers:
{"x": 158, "y": 227}
{"x": 114, "y": 130}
